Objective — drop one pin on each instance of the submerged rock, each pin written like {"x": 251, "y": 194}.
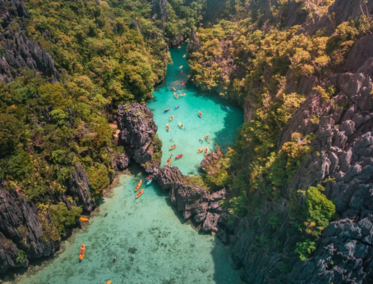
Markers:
{"x": 138, "y": 135}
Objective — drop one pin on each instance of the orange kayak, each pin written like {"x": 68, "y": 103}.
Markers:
{"x": 207, "y": 138}
{"x": 200, "y": 150}
{"x": 109, "y": 282}
{"x": 175, "y": 95}
{"x": 82, "y": 251}
{"x": 172, "y": 147}
{"x": 138, "y": 185}
{"x": 169, "y": 161}
{"x": 230, "y": 149}
{"x": 168, "y": 127}
{"x": 200, "y": 114}
{"x": 140, "y": 193}
{"x": 84, "y": 219}
{"x": 206, "y": 150}
{"x": 171, "y": 118}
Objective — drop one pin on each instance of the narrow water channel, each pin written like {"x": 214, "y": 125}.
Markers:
{"x": 151, "y": 243}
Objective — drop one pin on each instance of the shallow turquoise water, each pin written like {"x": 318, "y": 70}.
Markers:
{"x": 220, "y": 124}
{"x": 151, "y": 242}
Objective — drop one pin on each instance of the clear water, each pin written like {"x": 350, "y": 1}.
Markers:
{"x": 151, "y": 243}
{"x": 217, "y": 122}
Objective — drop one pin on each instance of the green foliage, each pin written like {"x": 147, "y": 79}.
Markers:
{"x": 313, "y": 212}
{"x": 21, "y": 257}
{"x": 305, "y": 249}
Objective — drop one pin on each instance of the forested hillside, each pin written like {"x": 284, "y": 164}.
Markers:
{"x": 298, "y": 179}
{"x": 65, "y": 68}
{"x": 300, "y": 175}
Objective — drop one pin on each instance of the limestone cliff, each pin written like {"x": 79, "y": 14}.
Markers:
{"x": 18, "y": 51}
{"x": 138, "y": 135}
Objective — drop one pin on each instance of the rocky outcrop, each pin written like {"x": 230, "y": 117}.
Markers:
{"x": 138, "y": 135}
{"x": 78, "y": 186}
{"x": 210, "y": 163}
{"x": 20, "y": 229}
{"x": 192, "y": 201}
{"x": 18, "y": 51}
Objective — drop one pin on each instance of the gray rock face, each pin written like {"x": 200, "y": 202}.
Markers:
{"x": 19, "y": 51}
{"x": 138, "y": 135}
{"x": 209, "y": 162}
{"x": 20, "y": 229}
{"x": 78, "y": 185}
{"x": 191, "y": 201}
{"x": 343, "y": 152}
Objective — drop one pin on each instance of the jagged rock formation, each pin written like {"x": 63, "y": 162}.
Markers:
{"x": 78, "y": 185}
{"x": 343, "y": 154}
{"x": 20, "y": 229}
{"x": 192, "y": 201}
{"x": 18, "y": 51}
{"x": 138, "y": 135}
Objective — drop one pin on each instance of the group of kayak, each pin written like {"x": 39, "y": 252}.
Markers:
{"x": 149, "y": 180}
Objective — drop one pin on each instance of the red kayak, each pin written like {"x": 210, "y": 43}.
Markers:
{"x": 179, "y": 156}
{"x": 149, "y": 177}
{"x": 173, "y": 89}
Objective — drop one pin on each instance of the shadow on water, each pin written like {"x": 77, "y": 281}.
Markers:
{"x": 220, "y": 253}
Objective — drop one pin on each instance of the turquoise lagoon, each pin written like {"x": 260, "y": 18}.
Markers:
{"x": 217, "y": 122}
{"x": 151, "y": 243}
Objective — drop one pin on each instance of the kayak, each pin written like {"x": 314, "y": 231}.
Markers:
{"x": 169, "y": 161}
{"x": 184, "y": 83}
{"x": 149, "y": 181}
{"x": 179, "y": 156}
{"x": 200, "y": 114}
{"x": 172, "y": 147}
{"x": 228, "y": 109}
{"x": 149, "y": 177}
{"x": 168, "y": 127}
{"x": 140, "y": 193}
{"x": 183, "y": 94}
{"x": 171, "y": 118}
{"x": 206, "y": 150}
{"x": 109, "y": 282}
{"x": 82, "y": 252}
{"x": 181, "y": 67}
{"x": 200, "y": 150}
{"x": 230, "y": 149}
{"x": 173, "y": 89}
{"x": 207, "y": 138}
{"x": 179, "y": 47}
{"x": 176, "y": 96}
{"x": 184, "y": 55}
{"x": 84, "y": 219}
{"x": 138, "y": 185}
{"x": 166, "y": 110}
{"x": 176, "y": 107}
{"x": 181, "y": 126}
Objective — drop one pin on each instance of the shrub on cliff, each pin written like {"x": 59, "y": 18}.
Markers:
{"x": 313, "y": 212}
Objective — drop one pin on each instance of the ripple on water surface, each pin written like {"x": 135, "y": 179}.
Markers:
{"x": 151, "y": 242}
